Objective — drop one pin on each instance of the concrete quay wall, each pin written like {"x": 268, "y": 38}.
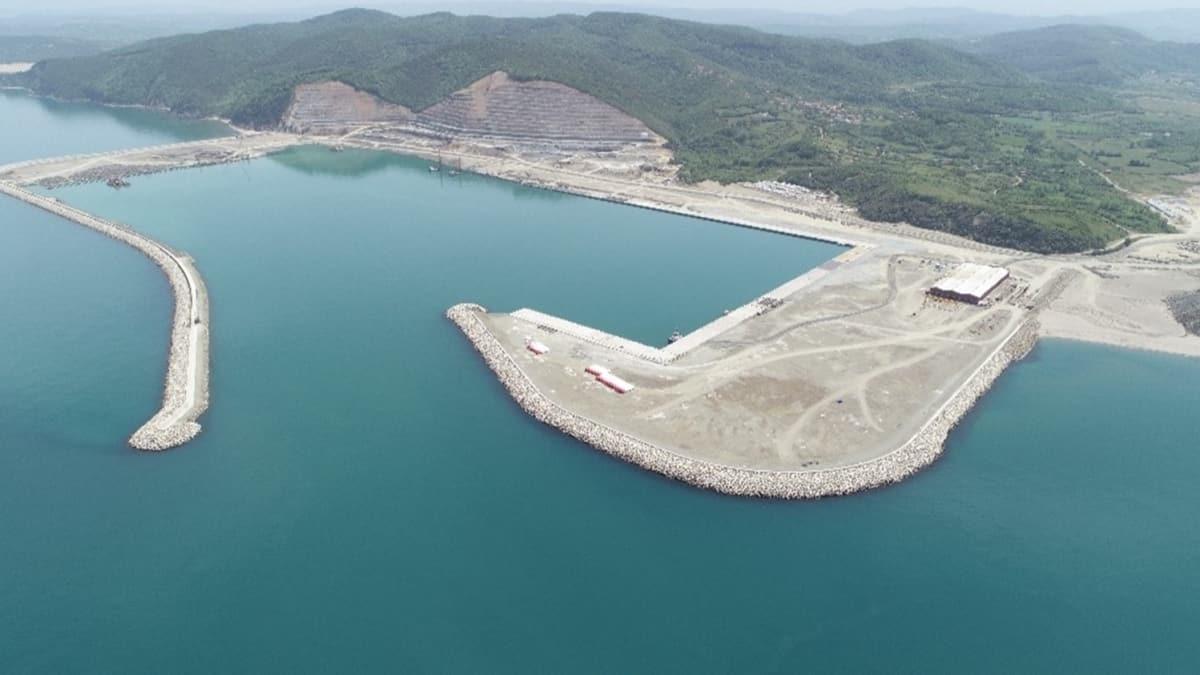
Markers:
{"x": 185, "y": 391}
{"x": 918, "y": 452}
{"x": 728, "y": 321}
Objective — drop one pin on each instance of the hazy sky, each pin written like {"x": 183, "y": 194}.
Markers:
{"x": 1042, "y": 7}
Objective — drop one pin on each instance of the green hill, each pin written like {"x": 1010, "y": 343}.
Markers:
{"x": 906, "y": 130}
{"x": 1088, "y": 54}
{"x": 650, "y": 66}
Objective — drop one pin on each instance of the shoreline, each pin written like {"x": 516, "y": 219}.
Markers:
{"x": 831, "y": 232}
{"x": 1152, "y": 345}
{"x": 185, "y": 389}
{"x": 701, "y": 334}
{"x": 812, "y": 227}
{"x": 921, "y": 450}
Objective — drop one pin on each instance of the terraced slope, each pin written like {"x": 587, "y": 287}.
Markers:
{"x": 500, "y": 106}
{"x": 335, "y": 107}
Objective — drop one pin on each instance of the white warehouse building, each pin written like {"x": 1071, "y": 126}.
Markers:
{"x": 969, "y": 282}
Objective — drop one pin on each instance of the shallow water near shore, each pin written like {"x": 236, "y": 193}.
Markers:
{"x": 366, "y": 498}
{"x": 33, "y": 128}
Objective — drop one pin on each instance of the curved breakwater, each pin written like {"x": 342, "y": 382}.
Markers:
{"x": 920, "y": 450}
{"x": 185, "y": 392}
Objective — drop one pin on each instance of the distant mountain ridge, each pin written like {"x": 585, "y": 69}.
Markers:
{"x": 955, "y": 24}
{"x": 115, "y": 27}
{"x": 248, "y": 74}
{"x": 30, "y": 48}
{"x": 1091, "y": 54}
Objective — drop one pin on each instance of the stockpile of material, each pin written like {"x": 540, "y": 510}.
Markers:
{"x": 1185, "y": 307}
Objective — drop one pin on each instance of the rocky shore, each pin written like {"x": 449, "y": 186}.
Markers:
{"x": 107, "y": 172}
{"x": 185, "y": 392}
{"x": 920, "y": 451}
{"x": 1185, "y": 307}
{"x": 56, "y": 172}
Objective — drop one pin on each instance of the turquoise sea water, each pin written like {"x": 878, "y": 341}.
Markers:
{"x": 365, "y": 498}
{"x": 35, "y": 127}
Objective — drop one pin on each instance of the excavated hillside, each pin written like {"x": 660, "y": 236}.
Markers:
{"x": 335, "y": 108}
{"x": 495, "y": 106}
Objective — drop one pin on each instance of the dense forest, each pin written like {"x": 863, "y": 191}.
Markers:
{"x": 1088, "y": 54}
{"x": 985, "y": 145}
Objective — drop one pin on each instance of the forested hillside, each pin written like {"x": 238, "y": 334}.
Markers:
{"x": 906, "y": 130}
{"x": 1088, "y": 54}
{"x": 651, "y": 66}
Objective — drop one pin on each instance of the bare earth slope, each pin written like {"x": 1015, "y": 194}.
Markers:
{"x": 334, "y": 107}
{"x": 499, "y": 106}
{"x": 495, "y": 106}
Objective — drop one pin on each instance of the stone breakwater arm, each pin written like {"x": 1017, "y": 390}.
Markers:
{"x": 185, "y": 393}
{"x": 918, "y": 452}
{"x": 52, "y": 172}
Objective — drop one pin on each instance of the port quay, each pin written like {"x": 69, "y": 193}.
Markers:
{"x": 979, "y": 343}
{"x": 921, "y": 450}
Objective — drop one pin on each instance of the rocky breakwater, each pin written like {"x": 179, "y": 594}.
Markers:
{"x": 185, "y": 394}
{"x": 920, "y": 451}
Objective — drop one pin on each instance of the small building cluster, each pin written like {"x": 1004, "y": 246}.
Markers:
{"x": 969, "y": 282}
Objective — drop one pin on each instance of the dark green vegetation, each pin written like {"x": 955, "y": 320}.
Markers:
{"x": 874, "y": 25}
{"x": 987, "y": 146}
{"x": 1150, "y": 135}
{"x": 1089, "y": 54}
{"x": 29, "y": 48}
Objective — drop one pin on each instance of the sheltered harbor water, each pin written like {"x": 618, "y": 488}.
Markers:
{"x": 366, "y": 497}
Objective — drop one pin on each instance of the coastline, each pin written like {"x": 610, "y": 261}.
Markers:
{"x": 917, "y": 453}
{"x": 185, "y": 389}
{"x": 1183, "y": 345}
{"x": 811, "y": 227}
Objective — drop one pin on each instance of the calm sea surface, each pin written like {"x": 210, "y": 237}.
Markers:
{"x": 365, "y": 498}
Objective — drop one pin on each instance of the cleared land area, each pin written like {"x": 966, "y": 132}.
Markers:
{"x": 843, "y": 371}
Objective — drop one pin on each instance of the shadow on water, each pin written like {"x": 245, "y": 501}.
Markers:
{"x": 319, "y": 160}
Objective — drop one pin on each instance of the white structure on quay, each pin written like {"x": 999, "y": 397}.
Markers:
{"x": 969, "y": 282}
